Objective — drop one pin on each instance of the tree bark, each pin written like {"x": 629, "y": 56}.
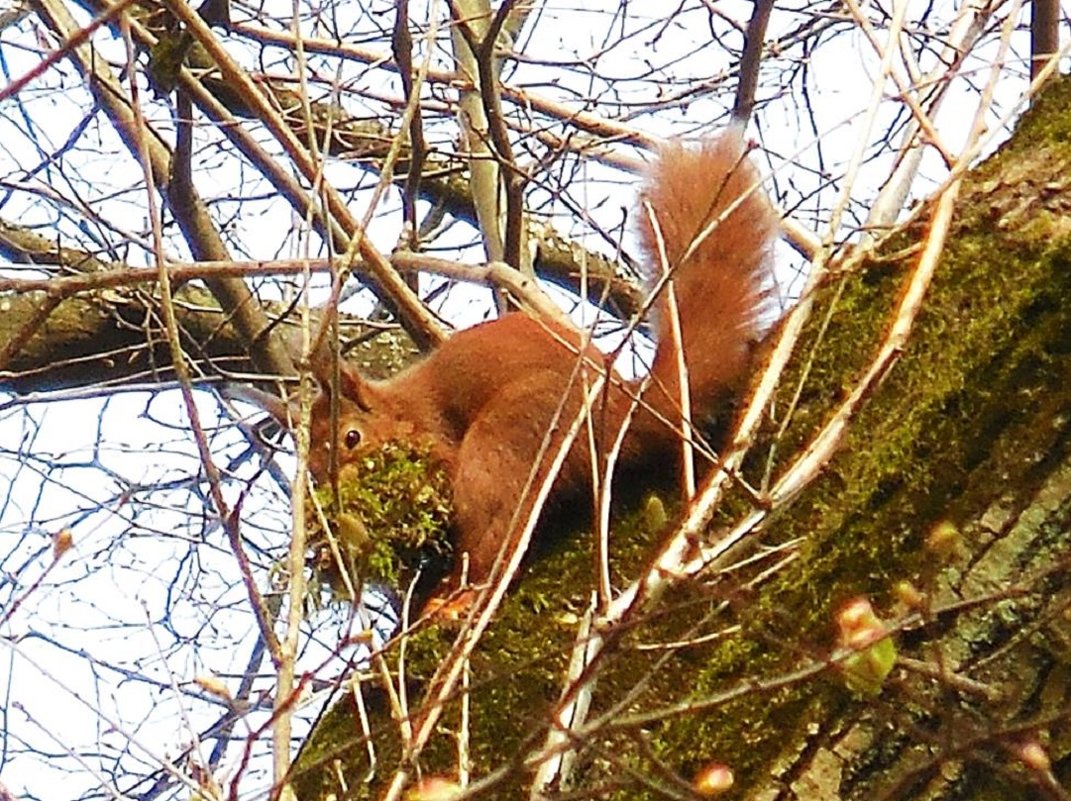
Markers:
{"x": 947, "y": 506}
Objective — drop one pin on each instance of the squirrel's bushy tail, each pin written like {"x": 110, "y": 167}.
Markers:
{"x": 705, "y": 218}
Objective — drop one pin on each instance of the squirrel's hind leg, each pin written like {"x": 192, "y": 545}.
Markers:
{"x": 497, "y": 477}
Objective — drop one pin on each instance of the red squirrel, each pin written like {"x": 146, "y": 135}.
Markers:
{"x": 484, "y": 401}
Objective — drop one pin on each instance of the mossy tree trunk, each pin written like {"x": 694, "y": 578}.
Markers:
{"x": 947, "y": 506}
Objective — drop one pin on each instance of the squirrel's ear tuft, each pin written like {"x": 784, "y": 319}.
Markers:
{"x": 354, "y": 386}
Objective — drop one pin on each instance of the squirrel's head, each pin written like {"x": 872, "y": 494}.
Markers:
{"x": 359, "y": 427}
{"x": 365, "y": 418}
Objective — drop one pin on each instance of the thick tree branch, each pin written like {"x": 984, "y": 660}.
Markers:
{"x": 233, "y": 295}
{"x": 947, "y": 506}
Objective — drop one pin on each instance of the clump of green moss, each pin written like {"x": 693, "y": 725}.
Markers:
{"x": 390, "y": 517}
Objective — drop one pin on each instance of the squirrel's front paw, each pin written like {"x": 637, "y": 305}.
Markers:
{"x": 450, "y": 608}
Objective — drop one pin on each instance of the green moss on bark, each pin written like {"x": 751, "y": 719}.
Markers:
{"x": 969, "y": 427}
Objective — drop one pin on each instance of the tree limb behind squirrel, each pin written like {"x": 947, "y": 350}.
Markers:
{"x": 485, "y": 402}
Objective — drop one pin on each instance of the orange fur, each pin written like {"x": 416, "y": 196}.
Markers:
{"x": 486, "y": 399}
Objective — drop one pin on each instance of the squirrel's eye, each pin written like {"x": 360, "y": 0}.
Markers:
{"x": 352, "y": 439}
